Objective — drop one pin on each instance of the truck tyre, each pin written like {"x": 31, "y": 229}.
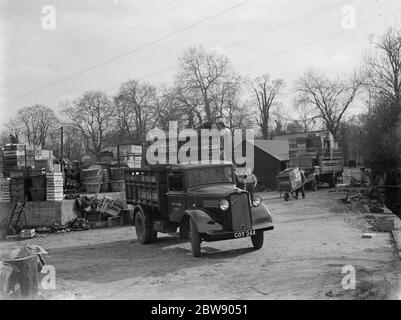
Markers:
{"x": 143, "y": 227}
{"x": 332, "y": 180}
{"x": 257, "y": 240}
{"x": 195, "y": 239}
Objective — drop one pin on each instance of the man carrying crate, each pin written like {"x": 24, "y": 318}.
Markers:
{"x": 302, "y": 187}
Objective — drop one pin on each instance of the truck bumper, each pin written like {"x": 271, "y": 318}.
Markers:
{"x": 226, "y": 235}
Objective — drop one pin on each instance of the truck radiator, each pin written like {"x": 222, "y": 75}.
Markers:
{"x": 240, "y": 212}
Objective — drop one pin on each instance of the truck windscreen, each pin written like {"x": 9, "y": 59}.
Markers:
{"x": 197, "y": 177}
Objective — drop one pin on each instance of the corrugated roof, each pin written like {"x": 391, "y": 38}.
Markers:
{"x": 277, "y": 149}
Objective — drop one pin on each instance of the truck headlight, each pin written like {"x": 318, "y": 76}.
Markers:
{"x": 257, "y": 201}
{"x": 224, "y": 205}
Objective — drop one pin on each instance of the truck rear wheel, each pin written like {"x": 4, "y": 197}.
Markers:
{"x": 257, "y": 240}
{"x": 143, "y": 228}
{"x": 195, "y": 239}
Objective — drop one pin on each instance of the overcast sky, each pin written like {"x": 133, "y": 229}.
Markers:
{"x": 97, "y": 44}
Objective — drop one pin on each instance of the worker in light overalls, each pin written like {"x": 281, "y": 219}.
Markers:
{"x": 246, "y": 180}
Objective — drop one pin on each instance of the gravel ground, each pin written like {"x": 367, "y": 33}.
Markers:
{"x": 303, "y": 258}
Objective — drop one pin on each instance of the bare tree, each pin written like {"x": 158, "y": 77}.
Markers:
{"x": 205, "y": 77}
{"x": 92, "y": 115}
{"x": 266, "y": 91}
{"x": 383, "y": 67}
{"x": 35, "y": 123}
{"x": 74, "y": 144}
{"x": 15, "y": 130}
{"x": 331, "y": 98}
{"x": 189, "y": 105}
{"x": 135, "y": 108}
{"x": 168, "y": 109}
{"x": 306, "y": 115}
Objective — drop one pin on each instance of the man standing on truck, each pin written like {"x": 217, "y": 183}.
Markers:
{"x": 225, "y": 137}
{"x": 326, "y": 145}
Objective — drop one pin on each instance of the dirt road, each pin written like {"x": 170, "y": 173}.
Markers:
{"x": 301, "y": 259}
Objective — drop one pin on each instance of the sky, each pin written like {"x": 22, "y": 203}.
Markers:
{"x": 97, "y": 44}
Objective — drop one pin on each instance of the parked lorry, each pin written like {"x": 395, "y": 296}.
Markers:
{"x": 318, "y": 169}
{"x": 201, "y": 200}
{"x": 318, "y": 156}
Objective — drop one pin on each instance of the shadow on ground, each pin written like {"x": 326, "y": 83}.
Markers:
{"x": 124, "y": 259}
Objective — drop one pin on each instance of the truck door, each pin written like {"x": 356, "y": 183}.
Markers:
{"x": 176, "y": 196}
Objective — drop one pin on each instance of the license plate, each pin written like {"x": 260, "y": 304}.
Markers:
{"x": 245, "y": 233}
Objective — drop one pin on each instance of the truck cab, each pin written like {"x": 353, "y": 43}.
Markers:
{"x": 201, "y": 200}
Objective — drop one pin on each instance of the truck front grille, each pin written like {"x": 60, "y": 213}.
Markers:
{"x": 240, "y": 212}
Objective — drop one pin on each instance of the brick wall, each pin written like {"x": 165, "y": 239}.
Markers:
{"x": 45, "y": 213}
{"x": 41, "y": 213}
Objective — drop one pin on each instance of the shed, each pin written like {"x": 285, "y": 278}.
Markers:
{"x": 270, "y": 158}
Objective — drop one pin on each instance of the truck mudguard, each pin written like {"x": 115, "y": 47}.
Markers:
{"x": 260, "y": 216}
{"x": 203, "y": 221}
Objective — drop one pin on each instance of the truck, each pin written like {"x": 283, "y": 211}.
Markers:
{"x": 200, "y": 200}
{"x": 317, "y": 154}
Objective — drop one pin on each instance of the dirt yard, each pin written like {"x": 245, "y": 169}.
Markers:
{"x": 301, "y": 259}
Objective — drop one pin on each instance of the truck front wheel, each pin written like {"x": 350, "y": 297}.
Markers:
{"x": 143, "y": 228}
{"x": 257, "y": 240}
{"x": 195, "y": 239}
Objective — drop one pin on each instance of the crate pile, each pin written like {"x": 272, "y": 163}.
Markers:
{"x": 19, "y": 189}
{"x": 54, "y": 186}
{"x": 311, "y": 145}
{"x": 17, "y": 159}
{"x": 44, "y": 159}
{"x": 132, "y": 155}
{"x": 5, "y": 185}
{"x": 13, "y": 158}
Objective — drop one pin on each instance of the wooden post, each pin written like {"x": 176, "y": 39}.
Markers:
{"x": 27, "y": 277}
{"x": 118, "y": 155}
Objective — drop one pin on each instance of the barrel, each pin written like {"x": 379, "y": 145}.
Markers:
{"x": 92, "y": 187}
{"x": 105, "y": 180}
{"x": 117, "y": 185}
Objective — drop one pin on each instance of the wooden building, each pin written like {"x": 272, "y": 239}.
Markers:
{"x": 270, "y": 157}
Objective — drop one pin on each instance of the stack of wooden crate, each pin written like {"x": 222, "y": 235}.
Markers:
{"x": 311, "y": 145}
{"x": 132, "y": 156}
{"x": 19, "y": 189}
{"x": 54, "y": 186}
{"x": 30, "y": 158}
{"x": 14, "y": 158}
{"x": 5, "y": 195}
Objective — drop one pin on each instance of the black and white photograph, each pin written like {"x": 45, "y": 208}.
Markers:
{"x": 200, "y": 155}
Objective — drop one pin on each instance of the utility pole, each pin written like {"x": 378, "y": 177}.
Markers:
{"x": 62, "y": 148}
